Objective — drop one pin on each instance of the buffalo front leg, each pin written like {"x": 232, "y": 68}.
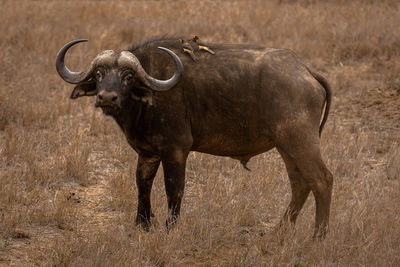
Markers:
{"x": 146, "y": 170}
{"x": 174, "y": 164}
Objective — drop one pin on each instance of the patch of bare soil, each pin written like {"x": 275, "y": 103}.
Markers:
{"x": 374, "y": 109}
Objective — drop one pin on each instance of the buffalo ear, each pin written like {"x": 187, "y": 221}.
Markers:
{"x": 87, "y": 88}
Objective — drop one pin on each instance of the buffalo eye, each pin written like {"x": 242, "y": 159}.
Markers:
{"x": 128, "y": 77}
{"x": 99, "y": 75}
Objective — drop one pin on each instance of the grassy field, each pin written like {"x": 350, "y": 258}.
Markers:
{"x": 67, "y": 190}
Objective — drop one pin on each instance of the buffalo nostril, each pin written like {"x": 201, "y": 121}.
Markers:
{"x": 100, "y": 97}
{"x": 114, "y": 98}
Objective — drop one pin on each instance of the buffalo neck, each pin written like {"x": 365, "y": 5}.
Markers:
{"x": 130, "y": 118}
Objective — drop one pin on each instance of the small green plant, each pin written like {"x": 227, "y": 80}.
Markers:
{"x": 298, "y": 262}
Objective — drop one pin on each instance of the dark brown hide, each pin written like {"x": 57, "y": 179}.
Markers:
{"x": 239, "y": 102}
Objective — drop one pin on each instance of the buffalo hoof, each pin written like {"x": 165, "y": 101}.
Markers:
{"x": 143, "y": 223}
{"x": 171, "y": 222}
{"x": 320, "y": 234}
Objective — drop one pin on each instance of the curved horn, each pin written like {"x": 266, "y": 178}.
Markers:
{"x": 160, "y": 85}
{"x": 153, "y": 83}
{"x": 63, "y": 71}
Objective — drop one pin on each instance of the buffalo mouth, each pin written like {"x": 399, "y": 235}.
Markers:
{"x": 110, "y": 110}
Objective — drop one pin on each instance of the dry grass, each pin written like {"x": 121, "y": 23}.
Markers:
{"x": 67, "y": 191}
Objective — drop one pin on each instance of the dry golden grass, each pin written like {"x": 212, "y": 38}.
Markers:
{"x": 67, "y": 191}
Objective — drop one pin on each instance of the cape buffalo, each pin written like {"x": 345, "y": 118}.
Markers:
{"x": 239, "y": 101}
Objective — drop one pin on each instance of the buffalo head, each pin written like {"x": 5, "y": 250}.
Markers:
{"x": 111, "y": 76}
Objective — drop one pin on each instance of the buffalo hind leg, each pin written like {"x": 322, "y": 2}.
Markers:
{"x": 146, "y": 170}
{"x": 300, "y": 190}
{"x": 174, "y": 164}
{"x": 307, "y": 158}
